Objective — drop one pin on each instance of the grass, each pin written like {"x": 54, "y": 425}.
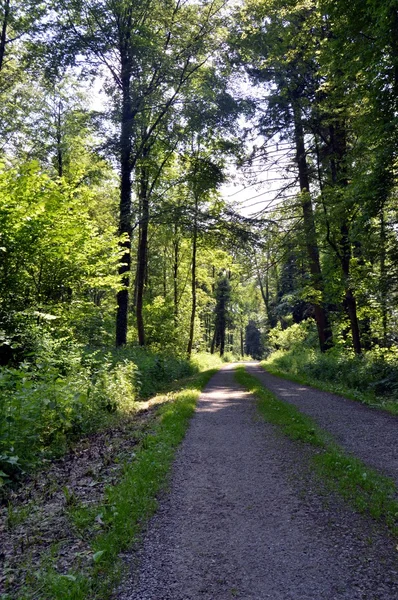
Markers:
{"x": 114, "y": 525}
{"x": 367, "y": 490}
{"x": 370, "y": 379}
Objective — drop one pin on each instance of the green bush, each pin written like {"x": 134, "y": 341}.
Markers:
{"x": 371, "y": 377}
{"x": 296, "y": 335}
{"x": 68, "y": 391}
{"x": 64, "y": 393}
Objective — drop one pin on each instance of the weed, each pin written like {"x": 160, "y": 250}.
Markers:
{"x": 17, "y": 516}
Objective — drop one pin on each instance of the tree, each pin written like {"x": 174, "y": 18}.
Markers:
{"x": 276, "y": 51}
{"x": 253, "y": 345}
{"x": 151, "y": 51}
{"x": 222, "y": 318}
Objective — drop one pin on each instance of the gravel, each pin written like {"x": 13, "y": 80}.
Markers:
{"x": 369, "y": 433}
{"x": 244, "y": 519}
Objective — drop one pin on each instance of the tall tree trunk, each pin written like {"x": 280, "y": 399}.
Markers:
{"x": 58, "y": 125}
{"x": 125, "y": 226}
{"x": 213, "y": 341}
{"x": 3, "y": 35}
{"x": 321, "y": 317}
{"x": 176, "y": 248}
{"x": 383, "y": 276}
{"x": 194, "y": 249}
{"x": 142, "y": 251}
{"x": 165, "y": 272}
{"x": 339, "y": 178}
{"x": 264, "y": 291}
{"x": 222, "y": 341}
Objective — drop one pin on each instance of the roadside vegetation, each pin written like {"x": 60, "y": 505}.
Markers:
{"x": 67, "y": 527}
{"x": 69, "y": 392}
{"x": 365, "y": 489}
{"x": 371, "y": 378}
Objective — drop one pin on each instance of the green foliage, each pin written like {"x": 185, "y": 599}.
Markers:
{"x": 204, "y": 361}
{"x": 371, "y": 378}
{"x": 294, "y": 336}
{"x": 54, "y": 254}
{"x": 69, "y": 391}
{"x": 65, "y": 393}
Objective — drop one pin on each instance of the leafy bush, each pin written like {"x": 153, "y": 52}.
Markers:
{"x": 45, "y": 403}
{"x": 372, "y": 376}
{"x": 203, "y": 361}
{"x": 296, "y": 335}
{"x": 68, "y": 391}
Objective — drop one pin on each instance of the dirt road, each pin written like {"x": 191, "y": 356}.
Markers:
{"x": 370, "y": 434}
{"x": 245, "y": 519}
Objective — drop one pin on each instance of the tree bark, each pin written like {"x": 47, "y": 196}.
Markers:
{"x": 125, "y": 226}
{"x": 3, "y": 35}
{"x": 383, "y": 277}
{"x": 142, "y": 252}
{"x": 176, "y": 248}
{"x": 193, "y": 310}
{"x": 58, "y": 125}
{"x": 339, "y": 178}
{"x": 321, "y": 317}
{"x": 213, "y": 341}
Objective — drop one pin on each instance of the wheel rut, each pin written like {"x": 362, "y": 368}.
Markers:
{"x": 244, "y": 518}
{"x": 368, "y": 433}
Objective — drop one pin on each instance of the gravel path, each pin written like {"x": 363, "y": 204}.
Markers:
{"x": 369, "y": 433}
{"x": 244, "y": 519}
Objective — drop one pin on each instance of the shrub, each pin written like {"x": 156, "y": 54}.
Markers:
{"x": 373, "y": 374}
{"x": 296, "y": 335}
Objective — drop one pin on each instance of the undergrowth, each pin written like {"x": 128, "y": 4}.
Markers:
{"x": 367, "y": 490}
{"x": 371, "y": 378}
{"x": 67, "y": 391}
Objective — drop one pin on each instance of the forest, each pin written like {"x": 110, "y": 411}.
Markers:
{"x": 126, "y": 130}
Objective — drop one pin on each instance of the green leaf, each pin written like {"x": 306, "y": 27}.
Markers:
{"x": 97, "y": 555}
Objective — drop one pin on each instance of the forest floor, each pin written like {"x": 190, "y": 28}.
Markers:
{"x": 35, "y": 526}
{"x": 247, "y": 517}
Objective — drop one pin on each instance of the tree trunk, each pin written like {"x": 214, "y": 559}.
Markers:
{"x": 321, "y": 317}
{"x": 142, "y": 252}
{"x": 58, "y": 125}
{"x": 176, "y": 248}
{"x": 165, "y": 272}
{"x": 222, "y": 342}
{"x": 264, "y": 292}
{"x": 125, "y": 227}
{"x": 3, "y": 35}
{"x": 194, "y": 249}
{"x": 339, "y": 178}
{"x": 213, "y": 341}
{"x": 383, "y": 277}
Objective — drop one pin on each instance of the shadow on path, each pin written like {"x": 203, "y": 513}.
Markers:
{"x": 244, "y": 519}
